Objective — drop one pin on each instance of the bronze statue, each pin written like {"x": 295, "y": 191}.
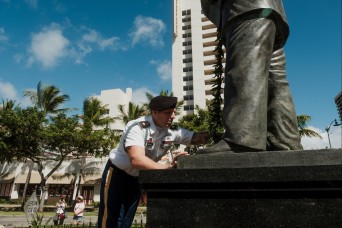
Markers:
{"x": 258, "y": 111}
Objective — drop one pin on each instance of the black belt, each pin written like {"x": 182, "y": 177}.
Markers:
{"x": 118, "y": 170}
{"x": 114, "y": 167}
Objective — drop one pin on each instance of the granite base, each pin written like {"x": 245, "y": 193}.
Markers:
{"x": 268, "y": 189}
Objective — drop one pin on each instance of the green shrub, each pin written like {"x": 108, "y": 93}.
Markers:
{"x": 96, "y": 204}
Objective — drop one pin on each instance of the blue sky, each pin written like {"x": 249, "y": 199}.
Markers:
{"x": 108, "y": 44}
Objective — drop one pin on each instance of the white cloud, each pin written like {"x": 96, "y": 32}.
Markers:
{"x": 92, "y": 40}
{"x": 7, "y": 91}
{"x": 164, "y": 70}
{"x": 48, "y": 46}
{"x": 317, "y": 143}
{"x": 139, "y": 95}
{"x": 94, "y": 37}
{"x": 3, "y": 36}
{"x": 148, "y": 30}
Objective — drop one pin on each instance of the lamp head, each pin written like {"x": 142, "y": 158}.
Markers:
{"x": 337, "y": 123}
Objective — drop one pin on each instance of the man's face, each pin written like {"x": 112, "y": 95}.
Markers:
{"x": 164, "y": 118}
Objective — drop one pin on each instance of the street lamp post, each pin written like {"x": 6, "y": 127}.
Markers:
{"x": 328, "y": 129}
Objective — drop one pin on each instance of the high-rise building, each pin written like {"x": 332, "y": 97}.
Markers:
{"x": 194, "y": 42}
{"x": 338, "y": 102}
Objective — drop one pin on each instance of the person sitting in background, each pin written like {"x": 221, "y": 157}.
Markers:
{"x": 78, "y": 210}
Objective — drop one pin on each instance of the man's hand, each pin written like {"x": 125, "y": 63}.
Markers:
{"x": 176, "y": 155}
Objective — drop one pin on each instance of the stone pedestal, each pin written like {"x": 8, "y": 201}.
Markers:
{"x": 265, "y": 189}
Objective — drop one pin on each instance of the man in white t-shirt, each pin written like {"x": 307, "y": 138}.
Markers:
{"x": 144, "y": 141}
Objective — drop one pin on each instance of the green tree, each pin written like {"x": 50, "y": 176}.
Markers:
{"x": 302, "y": 121}
{"x": 21, "y": 134}
{"x": 21, "y": 131}
{"x": 199, "y": 121}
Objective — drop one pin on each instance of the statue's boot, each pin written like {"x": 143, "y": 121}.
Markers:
{"x": 225, "y": 147}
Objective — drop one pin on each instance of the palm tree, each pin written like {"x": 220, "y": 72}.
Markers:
{"x": 94, "y": 113}
{"x": 8, "y": 104}
{"x": 47, "y": 98}
{"x": 134, "y": 111}
{"x": 302, "y": 126}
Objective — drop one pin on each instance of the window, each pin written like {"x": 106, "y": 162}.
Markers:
{"x": 188, "y": 88}
{"x": 5, "y": 189}
{"x": 188, "y": 107}
{"x": 185, "y": 27}
{"x": 188, "y": 97}
{"x": 186, "y": 43}
{"x": 186, "y": 35}
{"x": 186, "y": 12}
{"x": 189, "y": 60}
{"x": 187, "y": 69}
{"x": 187, "y": 78}
{"x": 30, "y": 189}
{"x": 189, "y": 51}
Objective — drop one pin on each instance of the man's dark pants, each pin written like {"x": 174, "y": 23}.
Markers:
{"x": 119, "y": 198}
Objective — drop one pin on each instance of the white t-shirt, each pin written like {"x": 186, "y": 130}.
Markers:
{"x": 79, "y": 209}
{"x": 156, "y": 141}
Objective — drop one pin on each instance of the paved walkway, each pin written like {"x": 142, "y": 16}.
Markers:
{"x": 20, "y": 221}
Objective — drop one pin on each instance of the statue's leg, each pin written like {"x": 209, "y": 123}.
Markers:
{"x": 249, "y": 44}
{"x": 282, "y": 126}
{"x": 249, "y": 47}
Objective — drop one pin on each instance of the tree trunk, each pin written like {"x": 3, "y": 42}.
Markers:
{"x": 23, "y": 200}
{"x": 43, "y": 195}
{"x": 83, "y": 160}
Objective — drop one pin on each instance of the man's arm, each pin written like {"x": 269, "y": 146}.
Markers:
{"x": 141, "y": 162}
{"x": 200, "y": 138}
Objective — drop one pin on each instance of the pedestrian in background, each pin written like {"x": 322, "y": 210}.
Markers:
{"x": 60, "y": 212}
{"x": 78, "y": 210}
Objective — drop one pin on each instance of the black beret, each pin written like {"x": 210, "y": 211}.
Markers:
{"x": 159, "y": 103}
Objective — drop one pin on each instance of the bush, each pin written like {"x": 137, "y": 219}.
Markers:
{"x": 96, "y": 204}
